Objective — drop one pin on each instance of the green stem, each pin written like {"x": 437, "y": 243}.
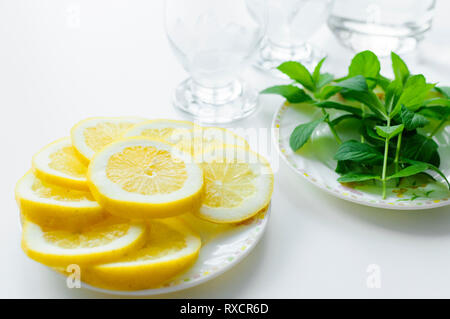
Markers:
{"x": 332, "y": 129}
{"x": 397, "y": 151}
{"x": 363, "y": 109}
{"x": 386, "y": 150}
{"x": 397, "y": 154}
{"x": 437, "y": 128}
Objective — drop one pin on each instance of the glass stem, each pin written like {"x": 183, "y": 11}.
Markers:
{"x": 216, "y": 95}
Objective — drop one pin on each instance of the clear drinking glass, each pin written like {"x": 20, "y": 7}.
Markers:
{"x": 381, "y": 25}
{"x": 214, "y": 40}
{"x": 291, "y": 24}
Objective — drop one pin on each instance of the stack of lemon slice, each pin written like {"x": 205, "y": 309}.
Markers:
{"x": 110, "y": 197}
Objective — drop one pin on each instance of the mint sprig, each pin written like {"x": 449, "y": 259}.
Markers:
{"x": 390, "y": 112}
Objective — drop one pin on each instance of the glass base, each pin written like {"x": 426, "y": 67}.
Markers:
{"x": 271, "y": 56}
{"x": 215, "y": 105}
{"x": 382, "y": 39}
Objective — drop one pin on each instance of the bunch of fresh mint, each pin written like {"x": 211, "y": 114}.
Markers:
{"x": 389, "y": 113}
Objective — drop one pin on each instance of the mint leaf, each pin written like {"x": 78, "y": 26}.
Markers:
{"x": 321, "y": 79}
{"x": 393, "y": 92}
{"x": 339, "y": 106}
{"x": 380, "y": 80}
{"x": 358, "y": 152}
{"x": 372, "y": 136}
{"x": 370, "y": 100}
{"x": 437, "y": 102}
{"x": 400, "y": 69}
{"x": 324, "y": 79}
{"x": 410, "y": 170}
{"x": 412, "y": 120}
{"x": 357, "y": 83}
{"x": 420, "y": 148}
{"x": 430, "y": 167}
{"x": 299, "y": 73}
{"x": 328, "y": 91}
{"x": 302, "y": 133}
{"x": 344, "y": 167}
{"x": 364, "y": 63}
{"x": 357, "y": 177}
{"x": 344, "y": 117}
{"x": 316, "y": 72}
{"x": 444, "y": 90}
{"x": 292, "y": 93}
{"x": 414, "y": 94}
{"x": 436, "y": 112}
{"x": 389, "y": 131}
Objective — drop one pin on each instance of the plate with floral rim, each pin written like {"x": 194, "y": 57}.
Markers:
{"x": 315, "y": 163}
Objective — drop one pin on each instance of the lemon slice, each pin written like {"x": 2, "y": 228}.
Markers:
{"x": 187, "y": 136}
{"x": 170, "y": 131}
{"x": 54, "y": 206}
{"x": 238, "y": 184}
{"x": 219, "y": 135}
{"x": 102, "y": 242}
{"x": 137, "y": 177}
{"x": 210, "y": 137}
{"x": 92, "y": 134}
{"x": 58, "y": 163}
{"x": 170, "y": 248}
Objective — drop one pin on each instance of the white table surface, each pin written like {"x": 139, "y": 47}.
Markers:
{"x": 115, "y": 60}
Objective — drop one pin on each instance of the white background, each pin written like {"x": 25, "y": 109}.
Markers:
{"x": 115, "y": 60}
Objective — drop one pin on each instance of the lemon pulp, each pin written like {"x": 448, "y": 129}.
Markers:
{"x": 161, "y": 241}
{"x": 45, "y": 190}
{"x": 227, "y": 184}
{"x": 146, "y": 170}
{"x": 66, "y": 161}
{"x": 169, "y": 134}
{"x": 88, "y": 239}
{"x": 100, "y": 135}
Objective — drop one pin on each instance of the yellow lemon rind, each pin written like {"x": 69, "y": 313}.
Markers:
{"x": 158, "y": 123}
{"x": 184, "y": 127}
{"x": 237, "y": 139}
{"x": 129, "y": 276}
{"x": 252, "y": 212}
{"x": 135, "y": 210}
{"x": 143, "y": 208}
{"x": 83, "y": 151}
{"x": 63, "y": 257}
{"x": 51, "y": 176}
{"x": 204, "y": 138}
{"x": 50, "y": 213}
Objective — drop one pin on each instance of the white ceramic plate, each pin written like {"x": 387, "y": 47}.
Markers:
{"x": 223, "y": 247}
{"x": 315, "y": 163}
